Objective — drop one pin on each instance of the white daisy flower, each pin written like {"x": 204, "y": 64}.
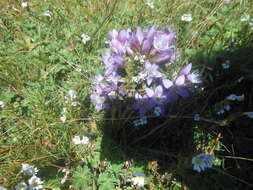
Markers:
{"x": 24, "y": 4}
{"x": 29, "y": 170}
{"x": 85, "y": 38}
{"x": 21, "y": 186}
{"x": 186, "y": 17}
{"x": 35, "y": 183}
{"x": 202, "y": 161}
{"x": 2, "y": 104}
{"x": 138, "y": 179}
{"x": 80, "y": 140}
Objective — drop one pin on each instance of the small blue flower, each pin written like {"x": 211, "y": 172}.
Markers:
{"x": 196, "y": 117}
{"x": 227, "y": 107}
{"x": 220, "y": 112}
{"x": 139, "y": 122}
{"x": 202, "y": 161}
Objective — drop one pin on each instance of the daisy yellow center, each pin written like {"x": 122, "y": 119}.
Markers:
{"x": 198, "y": 161}
{"x": 21, "y": 187}
{"x": 35, "y": 184}
{"x": 139, "y": 177}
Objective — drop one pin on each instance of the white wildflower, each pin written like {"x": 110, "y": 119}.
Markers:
{"x": 80, "y": 140}
{"x": 47, "y": 13}
{"x": 140, "y": 58}
{"x": 24, "y": 4}
{"x": 112, "y": 95}
{"x": 35, "y": 183}
{"x": 73, "y": 103}
{"x": 85, "y": 38}
{"x": 29, "y": 170}
{"x": 78, "y": 69}
{"x": 194, "y": 77}
{"x": 138, "y": 179}
{"x": 150, "y": 3}
{"x": 63, "y": 118}
{"x": 66, "y": 173}
{"x": 245, "y": 18}
{"x": 2, "y": 104}
{"x": 72, "y": 94}
{"x": 15, "y": 9}
{"x": 186, "y": 17}
{"x": 21, "y": 186}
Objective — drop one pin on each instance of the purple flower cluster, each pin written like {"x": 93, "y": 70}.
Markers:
{"x": 135, "y": 70}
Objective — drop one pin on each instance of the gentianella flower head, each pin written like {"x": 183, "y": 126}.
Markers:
{"x": 135, "y": 67}
{"x": 35, "y": 183}
{"x": 138, "y": 179}
{"x": 29, "y": 170}
{"x": 202, "y": 161}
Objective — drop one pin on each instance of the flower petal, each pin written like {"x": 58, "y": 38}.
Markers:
{"x": 149, "y": 92}
{"x": 167, "y": 83}
{"x": 186, "y": 70}
{"x": 180, "y": 80}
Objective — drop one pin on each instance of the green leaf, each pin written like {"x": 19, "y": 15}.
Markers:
{"x": 107, "y": 185}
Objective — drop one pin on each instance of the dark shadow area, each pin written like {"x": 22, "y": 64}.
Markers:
{"x": 172, "y": 141}
{"x": 236, "y": 135}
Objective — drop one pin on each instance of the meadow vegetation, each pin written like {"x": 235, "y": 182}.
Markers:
{"x": 50, "y": 51}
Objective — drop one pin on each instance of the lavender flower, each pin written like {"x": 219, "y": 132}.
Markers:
{"x": 150, "y": 72}
{"x": 140, "y": 104}
{"x": 119, "y": 41}
{"x": 133, "y": 70}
